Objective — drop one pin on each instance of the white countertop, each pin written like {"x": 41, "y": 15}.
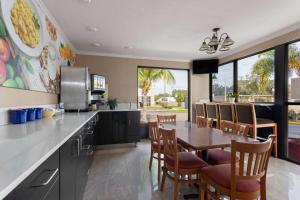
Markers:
{"x": 24, "y": 147}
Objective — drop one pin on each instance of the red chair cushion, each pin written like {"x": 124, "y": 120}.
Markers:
{"x": 186, "y": 160}
{"x": 218, "y": 157}
{"x": 156, "y": 144}
{"x": 294, "y": 149}
{"x": 220, "y": 174}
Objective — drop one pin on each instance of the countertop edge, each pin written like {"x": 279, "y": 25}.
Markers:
{"x": 22, "y": 177}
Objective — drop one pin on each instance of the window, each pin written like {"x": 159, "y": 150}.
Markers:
{"x": 256, "y": 78}
{"x": 294, "y": 72}
{"x": 294, "y": 132}
{"x": 222, "y": 82}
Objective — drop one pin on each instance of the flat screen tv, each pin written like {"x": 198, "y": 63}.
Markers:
{"x": 205, "y": 66}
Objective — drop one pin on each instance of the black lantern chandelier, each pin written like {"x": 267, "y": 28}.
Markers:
{"x": 211, "y": 45}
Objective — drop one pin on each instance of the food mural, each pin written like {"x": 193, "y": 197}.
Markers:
{"x": 31, "y": 48}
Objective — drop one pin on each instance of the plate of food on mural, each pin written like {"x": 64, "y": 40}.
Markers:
{"x": 24, "y": 24}
{"x": 31, "y": 61}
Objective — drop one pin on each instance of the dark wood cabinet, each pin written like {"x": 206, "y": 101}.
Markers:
{"x": 117, "y": 127}
{"x": 43, "y": 183}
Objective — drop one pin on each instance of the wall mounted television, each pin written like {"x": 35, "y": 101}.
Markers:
{"x": 205, "y": 66}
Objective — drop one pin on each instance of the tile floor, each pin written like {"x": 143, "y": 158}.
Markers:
{"x": 122, "y": 173}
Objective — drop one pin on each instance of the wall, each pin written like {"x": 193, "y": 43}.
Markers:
{"x": 16, "y": 97}
{"x": 294, "y": 35}
{"x": 121, "y": 75}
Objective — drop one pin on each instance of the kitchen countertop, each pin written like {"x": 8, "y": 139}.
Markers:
{"x": 24, "y": 147}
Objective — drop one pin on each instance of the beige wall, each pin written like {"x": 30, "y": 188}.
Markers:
{"x": 121, "y": 75}
{"x": 10, "y": 97}
{"x": 294, "y": 35}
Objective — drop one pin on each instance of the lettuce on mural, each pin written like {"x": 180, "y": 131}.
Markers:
{"x": 31, "y": 49}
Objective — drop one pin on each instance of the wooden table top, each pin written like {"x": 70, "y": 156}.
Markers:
{"x": 204, "y": 138}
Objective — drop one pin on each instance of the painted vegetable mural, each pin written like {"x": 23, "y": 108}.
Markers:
{"x": 31, "y": 48}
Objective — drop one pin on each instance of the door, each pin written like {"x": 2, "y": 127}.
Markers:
{"x": 119, "y": 128}
{"x": 133, "y": 126}
{"x": 103, "y": 130}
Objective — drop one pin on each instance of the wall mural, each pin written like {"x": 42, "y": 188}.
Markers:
{"x": 31, "y": 49}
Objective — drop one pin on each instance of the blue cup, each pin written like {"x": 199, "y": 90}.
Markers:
{"x": 38, "y": 113}
{"x": 31, "y": 114}
{"x": 18, "y": 116}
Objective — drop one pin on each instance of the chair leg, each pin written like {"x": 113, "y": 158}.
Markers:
{"x": 151, "y": 159}
{"x": 159, "y": 167}
{"x": 189, "y": 179}
{"x": 263, "y": 195}
{"x": 163, "y": 179}
{"x": 202, "y": 190}
{"x": 275, "y": 147}
{"x": 175, "y": 186}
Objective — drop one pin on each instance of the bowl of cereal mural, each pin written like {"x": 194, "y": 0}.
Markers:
{"x": 24, "y": 24}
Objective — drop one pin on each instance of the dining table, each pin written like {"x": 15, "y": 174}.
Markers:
{"x": 202, "y": 139}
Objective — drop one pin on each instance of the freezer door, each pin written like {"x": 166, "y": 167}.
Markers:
{"x": 74, "y": 88}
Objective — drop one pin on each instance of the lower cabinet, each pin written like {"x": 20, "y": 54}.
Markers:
{"x": 43, "y": 183}
{"x": 117, "y": 127}
{"x": 64, "y": 174}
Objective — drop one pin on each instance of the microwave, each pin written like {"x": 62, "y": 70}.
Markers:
{"x": 97, "y": 84}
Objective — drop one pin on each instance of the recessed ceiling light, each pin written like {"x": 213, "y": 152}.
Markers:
{"x": 96, "y": 44}
{"x": 92, "y": 29}
{"x": 86, "y": 1}
{"x": 128, "y": 47}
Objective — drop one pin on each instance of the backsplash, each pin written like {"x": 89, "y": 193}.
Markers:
{"x": 4, "y": 114}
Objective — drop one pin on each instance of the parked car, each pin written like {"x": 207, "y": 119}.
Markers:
{"x": 167, "y": 102}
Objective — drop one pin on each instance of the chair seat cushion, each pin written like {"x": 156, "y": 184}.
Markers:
{"x": 218, "y": 157}
{"x": 221, "y": 174}
{"x": 186, "y": 160}
{"x": 264, "y": 121}
{"x": 156, "y": 145}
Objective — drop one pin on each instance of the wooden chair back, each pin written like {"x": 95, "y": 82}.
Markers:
{"x": 226, "y": 112}
{"x": 200, "y": 110}
{"x": 170, "y": 144}
{"x": 252, "y": 167}
{"x": 212, "y": 111}
{"x": 245, "y": 113}
{"x": 154, "y": 133}
{"x": 203, "y": 122}
{"x": 166, "y": 118}
{"x": 231, "y": 127}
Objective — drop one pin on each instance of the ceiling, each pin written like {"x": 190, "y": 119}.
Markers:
{"x": 170, "y": 29}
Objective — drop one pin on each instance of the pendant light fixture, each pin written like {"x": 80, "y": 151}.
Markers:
{"x": 214, "y": 43}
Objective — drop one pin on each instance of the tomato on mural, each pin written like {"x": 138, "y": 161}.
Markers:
{"x": 31, "y": 49}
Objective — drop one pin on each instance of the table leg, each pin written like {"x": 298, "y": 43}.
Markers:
{"x": 204, "y": 154}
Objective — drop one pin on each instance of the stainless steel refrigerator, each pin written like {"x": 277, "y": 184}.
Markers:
{"x": 75, "y": 88}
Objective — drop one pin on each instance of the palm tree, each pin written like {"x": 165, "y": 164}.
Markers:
{"x": 146, "y": 77}
{"x": 264, "y": 68}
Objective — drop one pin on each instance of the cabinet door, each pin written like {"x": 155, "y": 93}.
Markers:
{"x": 133, "y": 127}
{"x": 119, "y": 122}
{"x": 103, "y": 129}
{"x": 68, "y": 154}
{"x": 53, "y": 194}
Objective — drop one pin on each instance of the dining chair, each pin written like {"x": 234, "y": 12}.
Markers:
{"x": 203, "y": 122}
{"x": 156, "y": 147}
{"x": 230, "y": 127}
{"x": 212, "y": 112}
{"x": 200, "y": 110}
{"x": 226, "y": 112}
{"x": 245, "y": 114}
{"x": 221, "y": 156}
{"x": 166, "y": 118}
{"x": 180, "y": 164}
{"x": 243, "y": 180}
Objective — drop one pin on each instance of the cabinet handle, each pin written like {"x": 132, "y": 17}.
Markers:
{"x": 86, "y": 147}
{"x": 48, "y": 180}
{"x": 90, "y": 133}
{"x": 78, "y": 146}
